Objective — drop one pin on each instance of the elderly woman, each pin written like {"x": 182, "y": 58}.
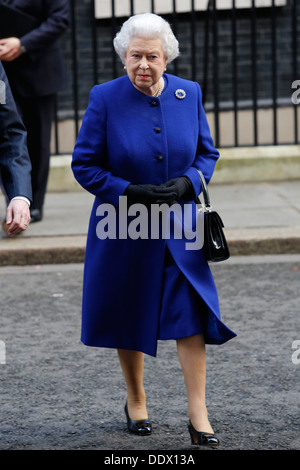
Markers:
{"x": 144, "y": 136}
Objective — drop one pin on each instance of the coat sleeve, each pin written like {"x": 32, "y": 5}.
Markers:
{"x": 51, "y": 28}
{"x": 207, "y": 155}
{"x": 15, "y": 166}
{"x": 89, "y": 155}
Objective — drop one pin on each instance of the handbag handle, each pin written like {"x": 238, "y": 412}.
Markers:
{"x": 206, "y": 206}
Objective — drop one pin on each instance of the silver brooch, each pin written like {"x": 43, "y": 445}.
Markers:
{"x": 180, "y": 94}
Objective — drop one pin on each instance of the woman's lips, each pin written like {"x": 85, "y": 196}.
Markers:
{"x": 144, "y": 77}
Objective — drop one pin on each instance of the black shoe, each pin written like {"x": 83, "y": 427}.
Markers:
{"x": 202, "y": 438}
{"x": 142, "y": 427}
{"x": 36, "y": 215}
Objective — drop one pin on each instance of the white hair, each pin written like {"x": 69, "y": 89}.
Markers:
{"x": 146, "y": 25}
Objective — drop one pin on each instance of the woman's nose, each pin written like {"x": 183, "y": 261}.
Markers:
{"x": 144, "y": 63}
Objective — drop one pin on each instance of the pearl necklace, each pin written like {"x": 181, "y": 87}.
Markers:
{"x": 159, "y": 90}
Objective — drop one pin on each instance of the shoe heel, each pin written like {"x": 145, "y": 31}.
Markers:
{"x": 142, "y": 427}
{"x": 202, "y": 438}
{"x": 191, "y": 435}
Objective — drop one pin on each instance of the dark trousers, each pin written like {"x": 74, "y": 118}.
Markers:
{"x": 38, "y": 114}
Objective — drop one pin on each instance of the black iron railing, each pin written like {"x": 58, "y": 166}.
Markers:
{"x": 244, "y": 60}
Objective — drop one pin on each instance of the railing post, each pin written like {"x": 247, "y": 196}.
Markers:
{"x": 234, "y": 71}
{"x": 206, "y": 51}
{"x": 193, "y": 40}
{"x": 295, "y": 63}
{"x": 216, "y": 74}
{"x": 274, "y": 73}
{"x": 174, "y": 25}
{"x": 113, "y": 33}
{"x": 94, "y": 43}
{"x": 75, "y": 68}
{"x": 254, "y": 70}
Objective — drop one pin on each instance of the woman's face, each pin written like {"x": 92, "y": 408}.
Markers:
{"x": 145, "y": 63}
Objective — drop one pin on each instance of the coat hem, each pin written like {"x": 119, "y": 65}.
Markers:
{"x": 153, "y": 353}
{"x": 127, "y": 347}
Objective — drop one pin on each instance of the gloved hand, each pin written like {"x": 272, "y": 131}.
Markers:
{"x": 149, "y": 194}
{"x": 182, "y": 187}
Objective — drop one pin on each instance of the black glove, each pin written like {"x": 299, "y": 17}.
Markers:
{"x": 149, "y": 194}
{"x": 182, "y": 187}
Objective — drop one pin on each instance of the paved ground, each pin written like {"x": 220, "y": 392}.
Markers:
{"x": 58, "y": 394}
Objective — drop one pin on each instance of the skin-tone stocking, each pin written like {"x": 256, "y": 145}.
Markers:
{"x": 192, "y": 357}
{"x": 132, "y": 363}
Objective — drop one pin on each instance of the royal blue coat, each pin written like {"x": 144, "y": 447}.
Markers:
{"x": 129, "y": 137}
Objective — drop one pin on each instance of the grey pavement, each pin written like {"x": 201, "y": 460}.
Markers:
{"x": 57, "y": 394}
{"x": 259, "y": 218}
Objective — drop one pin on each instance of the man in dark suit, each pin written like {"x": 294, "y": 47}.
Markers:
{"x": 36, "y": 72}
{"x": 15, "y": 166}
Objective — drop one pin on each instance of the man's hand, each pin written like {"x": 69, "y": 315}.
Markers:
{"x": 10, "y": 49}
{"x": 17, "y": 216}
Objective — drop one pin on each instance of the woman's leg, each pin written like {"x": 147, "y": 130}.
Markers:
{"x": 191, "y": 353}
{"x": 132, "y": 363}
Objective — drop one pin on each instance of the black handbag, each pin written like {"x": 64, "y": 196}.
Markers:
{"x": 215, "y": 244}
